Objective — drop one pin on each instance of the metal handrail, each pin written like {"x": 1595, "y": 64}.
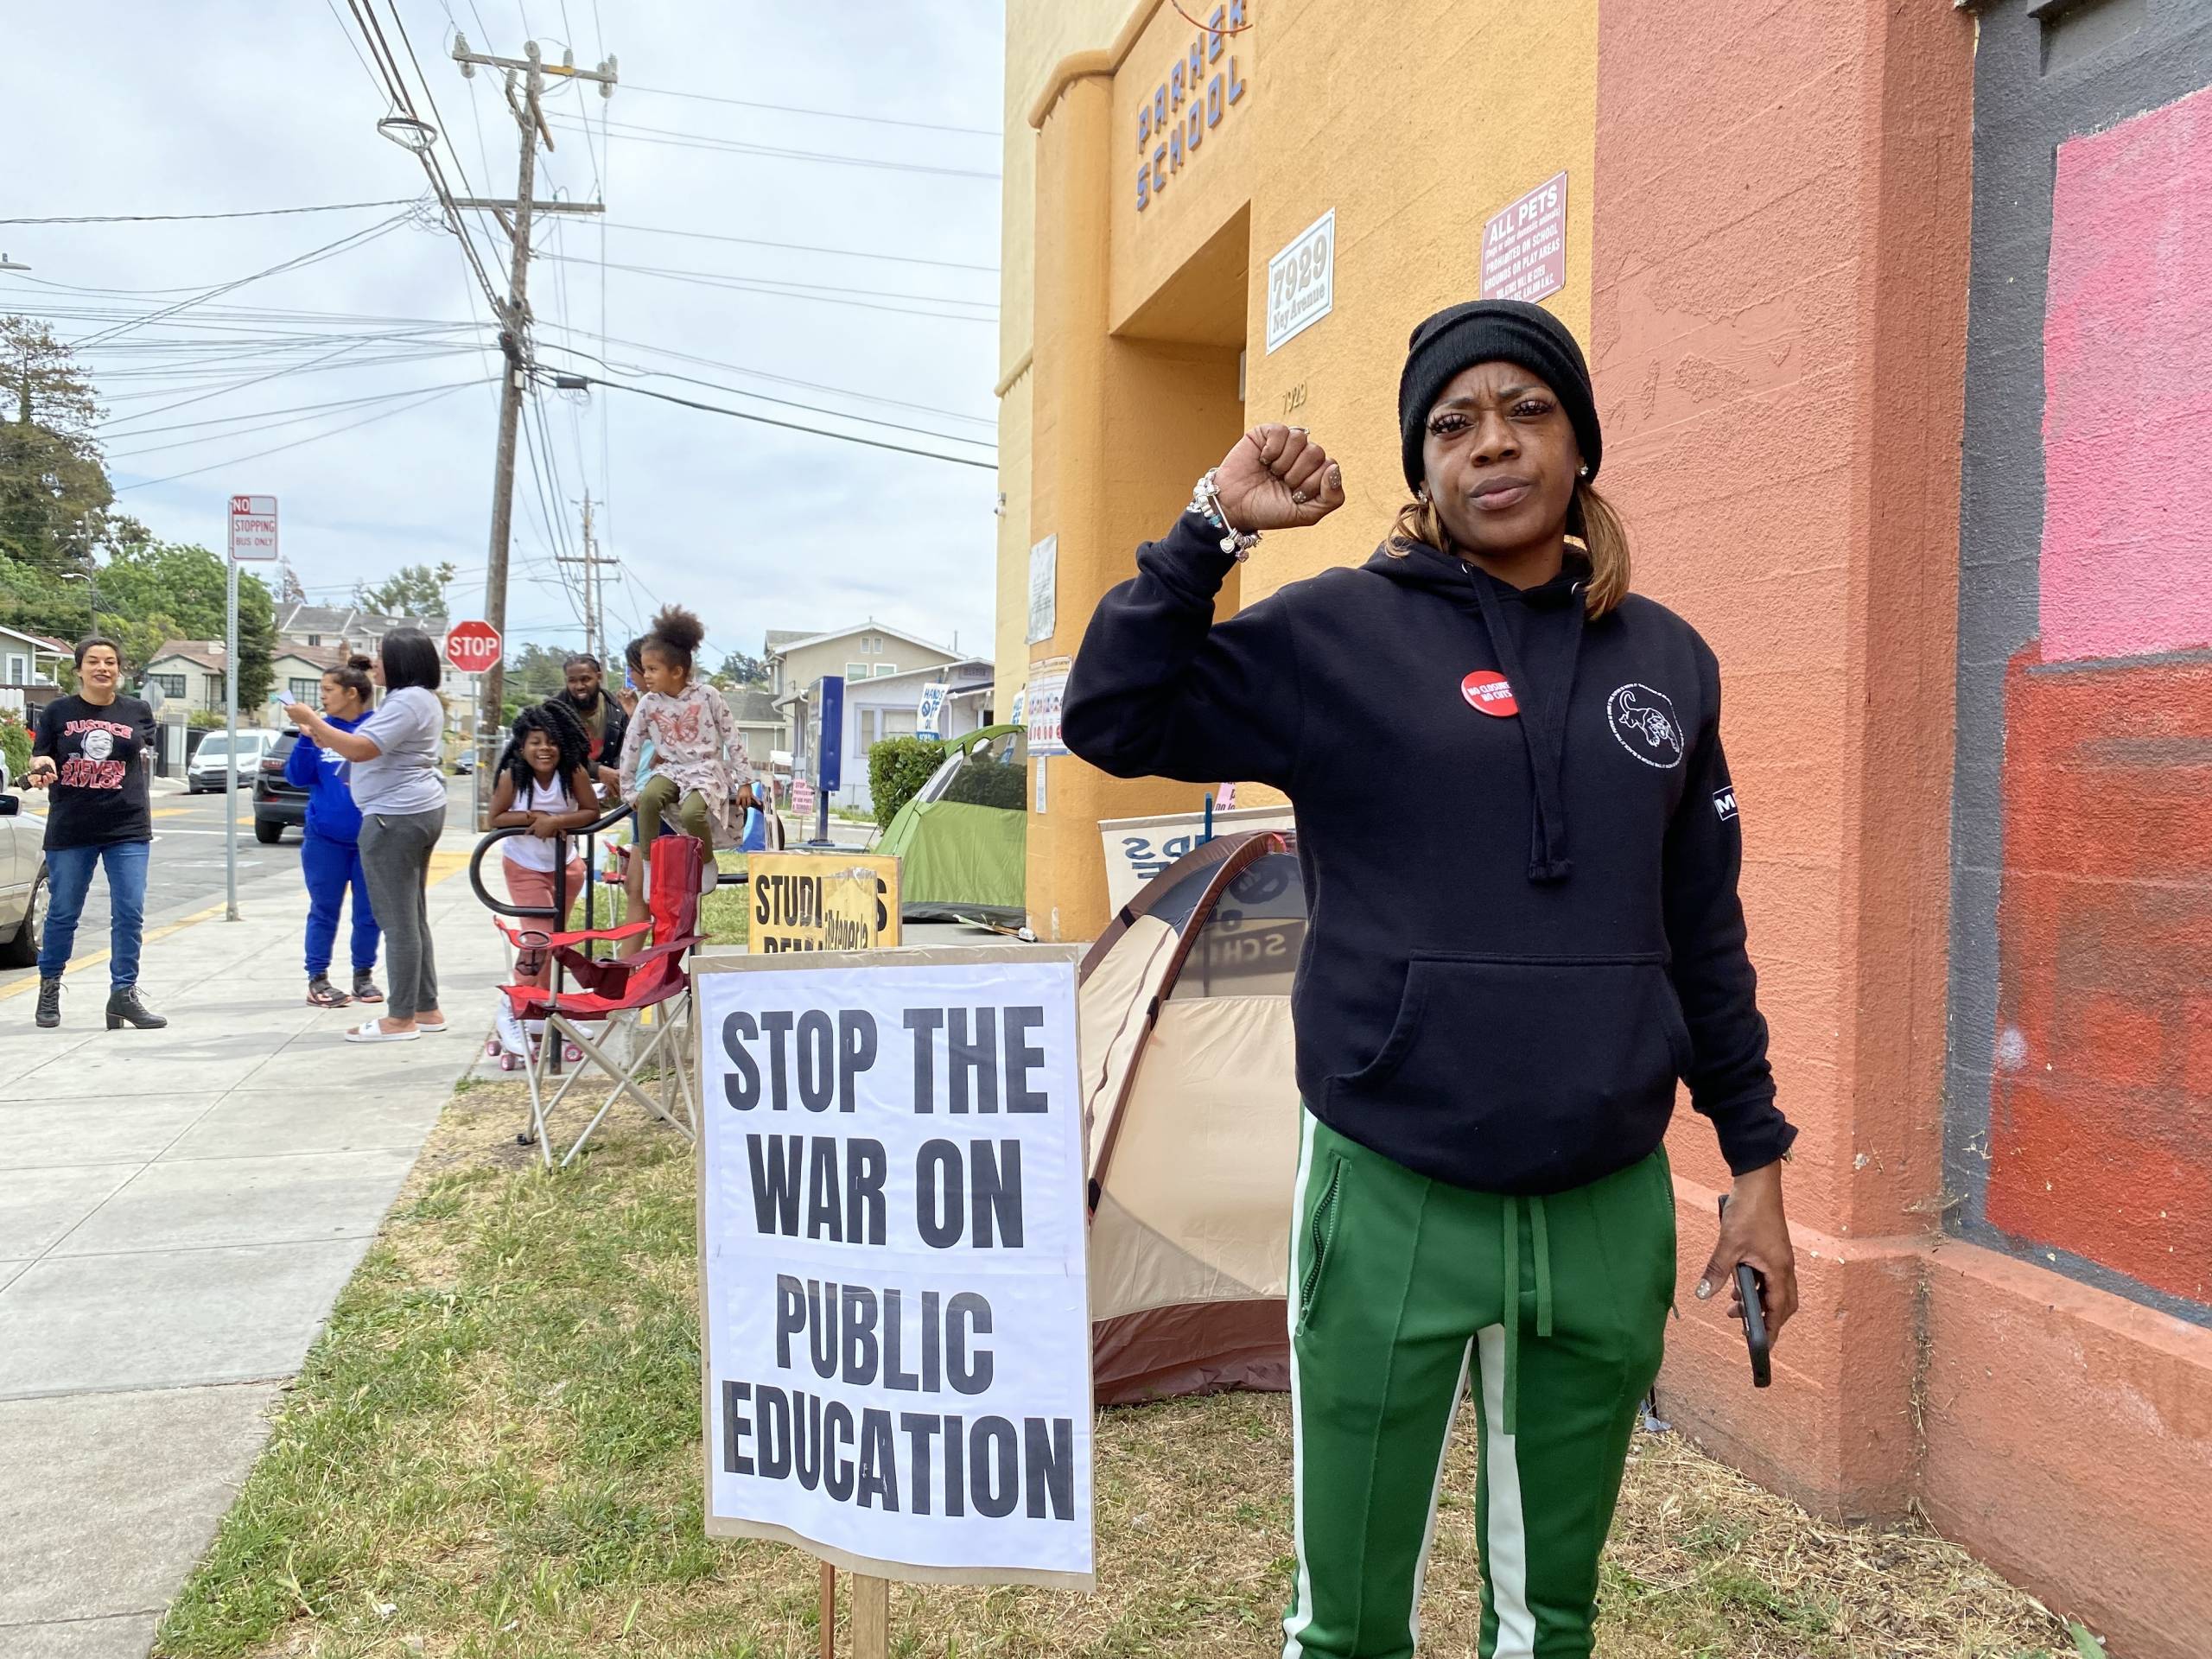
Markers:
{"x": 589, "y": 834}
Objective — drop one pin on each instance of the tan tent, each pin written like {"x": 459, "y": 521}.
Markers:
{"x": 1190, "y": 1108}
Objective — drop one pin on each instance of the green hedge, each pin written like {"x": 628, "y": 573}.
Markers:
{"x": 897, "y": 769}
{"x": 15, "y": 743}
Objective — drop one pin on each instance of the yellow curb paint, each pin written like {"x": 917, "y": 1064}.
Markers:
{"x": 79, "y": 963}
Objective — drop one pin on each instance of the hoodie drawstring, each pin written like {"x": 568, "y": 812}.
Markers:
{"x": 1542, "y": 728}
{"x": 1540, "y": 1241}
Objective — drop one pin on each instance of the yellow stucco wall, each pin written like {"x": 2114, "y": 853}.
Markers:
{"x": 1414, "y": 123}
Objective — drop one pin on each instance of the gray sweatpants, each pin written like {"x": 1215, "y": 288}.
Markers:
{"x": 396, "y": 857}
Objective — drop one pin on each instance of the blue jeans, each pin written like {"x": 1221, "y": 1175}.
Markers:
{"x": 330, "y": 868}
{"x": 69, "y": 878}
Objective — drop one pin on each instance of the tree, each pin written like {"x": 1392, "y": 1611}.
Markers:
{"x": 55, "y": 493}
{"x": 413, "y": 590}
{"x": 534, "y": 672}
{"x": 154, "y": 591}
{"x": 737, "y": 670}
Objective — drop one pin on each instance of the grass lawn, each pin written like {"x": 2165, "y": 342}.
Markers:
{"x": 494, "y": 1451}
{"x": 723, "y": 912}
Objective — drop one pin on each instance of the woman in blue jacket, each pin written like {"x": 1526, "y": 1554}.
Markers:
{"x": 330, "y": 854}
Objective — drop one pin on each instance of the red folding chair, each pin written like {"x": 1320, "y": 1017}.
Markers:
{"x": 615, "y": 994}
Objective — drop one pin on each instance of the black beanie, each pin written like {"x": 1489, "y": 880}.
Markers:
{"x": 1485, "y": 331}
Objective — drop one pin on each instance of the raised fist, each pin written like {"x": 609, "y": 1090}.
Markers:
{"x": 1277, "y": 478}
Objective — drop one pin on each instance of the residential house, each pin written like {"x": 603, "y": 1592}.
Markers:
{"x": 28, "y": 661}
{"x": 887, "y": 706}
{"x": 760, "y": 723}
{"x": 868, "y": 649}
{"x": 190, "y": 674}
{"x": 299, "y": 672}
{"x": 347, "y": 625}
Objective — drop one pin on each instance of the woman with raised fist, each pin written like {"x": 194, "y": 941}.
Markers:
{"x": 1509, "y": 966}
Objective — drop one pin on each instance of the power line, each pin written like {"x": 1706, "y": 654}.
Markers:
{"x": 814, "y": 409}
{"x": 670, "y": 352}
{"x": 792, "y": 426}
{"x": 737, "y": 147}
{"x": 243, "y": 212}
{"x": 800, "y": 247}
{"x": 329, "y": 250}
{"x": 779, "y": 283}
{"x": 381, "y": 415}
{"x": 827, "y": 115}
{"x": 295, "y": 417}
{"x": 815, "y": 293}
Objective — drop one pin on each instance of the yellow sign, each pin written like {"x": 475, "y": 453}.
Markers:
{"x": 822, "y": 901}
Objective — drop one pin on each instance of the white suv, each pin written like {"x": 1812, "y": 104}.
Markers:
{"x": 208, "y": 760}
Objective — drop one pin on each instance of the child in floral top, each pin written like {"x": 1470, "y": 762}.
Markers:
{"x": 698, "y": 766}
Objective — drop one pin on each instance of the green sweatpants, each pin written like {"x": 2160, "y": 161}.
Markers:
{"x": 1402, "y": 1290}
{"x": 685, "y": 811}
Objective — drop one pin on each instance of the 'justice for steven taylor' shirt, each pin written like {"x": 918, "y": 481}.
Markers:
{"x": 98, "y": 793}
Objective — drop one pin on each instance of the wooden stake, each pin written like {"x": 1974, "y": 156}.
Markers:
{"x": 829, "y": 1614}
{"x": 871, "y": 1618}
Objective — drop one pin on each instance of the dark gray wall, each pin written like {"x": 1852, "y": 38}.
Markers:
{"x": 2038, "y": 80}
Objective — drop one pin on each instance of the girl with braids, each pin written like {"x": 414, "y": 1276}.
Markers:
{"x": 698, "y": 768}
{"x": 543, "y": 785}
{"x": 330, "y": 847}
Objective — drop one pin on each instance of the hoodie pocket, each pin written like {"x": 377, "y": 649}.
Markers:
{"x": 1539, "y": 1072}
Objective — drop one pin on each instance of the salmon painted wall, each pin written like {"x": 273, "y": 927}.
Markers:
{"x": 1780, "y": 268}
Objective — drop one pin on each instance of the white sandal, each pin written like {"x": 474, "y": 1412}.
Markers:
{"x": 375, "y": 1032}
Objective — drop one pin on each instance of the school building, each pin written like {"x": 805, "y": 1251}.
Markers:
{"x": 1898, "y": 312}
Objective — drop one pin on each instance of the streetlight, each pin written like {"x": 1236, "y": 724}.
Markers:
{"x": 408, "y": 133}
{"x": 6, "y": 264}
{"x": 93, "y": 583}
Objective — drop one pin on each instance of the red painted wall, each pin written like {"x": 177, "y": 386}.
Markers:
{"x": 2101, "y": 1128}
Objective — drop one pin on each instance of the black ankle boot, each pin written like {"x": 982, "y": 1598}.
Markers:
{"x": 49, "y": 1003}
{"x": 124, "y": 1009}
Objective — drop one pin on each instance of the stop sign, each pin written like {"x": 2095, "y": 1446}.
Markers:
{"x": 473, "y": 647}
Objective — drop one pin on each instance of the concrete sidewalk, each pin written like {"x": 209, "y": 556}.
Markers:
{"x": 178, "y": 1210}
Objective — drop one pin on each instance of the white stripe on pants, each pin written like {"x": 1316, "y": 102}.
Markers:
{"x": 1506, "y": 1546}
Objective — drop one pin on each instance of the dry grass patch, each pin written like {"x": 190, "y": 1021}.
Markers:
{"x": 495, "y": 1452}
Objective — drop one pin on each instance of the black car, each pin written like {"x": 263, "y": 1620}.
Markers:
{"x": 277, "y": 800}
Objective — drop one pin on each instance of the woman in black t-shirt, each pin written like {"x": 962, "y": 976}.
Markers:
{"x": 91, "y": 750}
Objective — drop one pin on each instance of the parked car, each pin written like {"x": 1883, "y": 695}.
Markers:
{"x": 208, "y": 760}
{"x": 22, "y": 879}
{"x": 277, "y": 800}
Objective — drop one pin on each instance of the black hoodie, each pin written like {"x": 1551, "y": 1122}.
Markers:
{"x": 1524, "y": 924}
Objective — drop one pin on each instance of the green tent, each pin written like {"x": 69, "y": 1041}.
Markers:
{"x": 961, "y": 841}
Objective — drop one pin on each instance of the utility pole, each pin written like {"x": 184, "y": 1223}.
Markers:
{"x": 525, "y": 86}
{"x": 595, "y": 642}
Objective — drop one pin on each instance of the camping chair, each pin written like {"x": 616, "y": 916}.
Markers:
{"x": 614, "y": 996}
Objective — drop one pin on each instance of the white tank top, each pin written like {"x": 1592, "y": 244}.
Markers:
{"x": 534, "y": 852}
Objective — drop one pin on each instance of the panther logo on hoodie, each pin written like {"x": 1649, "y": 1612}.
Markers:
{"x": 1643, "y": 723}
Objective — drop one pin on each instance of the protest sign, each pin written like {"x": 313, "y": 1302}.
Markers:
{"x": 822, "y": 901}
{"x": 1139, "y": 848}
{"x": 897, "y": 1333}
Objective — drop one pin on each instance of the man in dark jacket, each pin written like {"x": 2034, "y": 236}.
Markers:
{"x": 604, "y": 722}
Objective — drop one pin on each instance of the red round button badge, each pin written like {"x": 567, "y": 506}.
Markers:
{"x": 1489, "y": 694}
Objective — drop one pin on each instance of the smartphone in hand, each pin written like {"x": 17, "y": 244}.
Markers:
{"x": 1748, "y": 1285}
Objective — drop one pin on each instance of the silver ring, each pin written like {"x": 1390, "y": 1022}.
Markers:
{"x": 1298, "y": 498}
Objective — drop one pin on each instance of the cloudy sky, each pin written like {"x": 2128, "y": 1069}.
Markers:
{"x": 876, "y": 316}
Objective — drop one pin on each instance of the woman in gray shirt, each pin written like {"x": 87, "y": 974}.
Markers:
{"x": 392, "y": 760}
